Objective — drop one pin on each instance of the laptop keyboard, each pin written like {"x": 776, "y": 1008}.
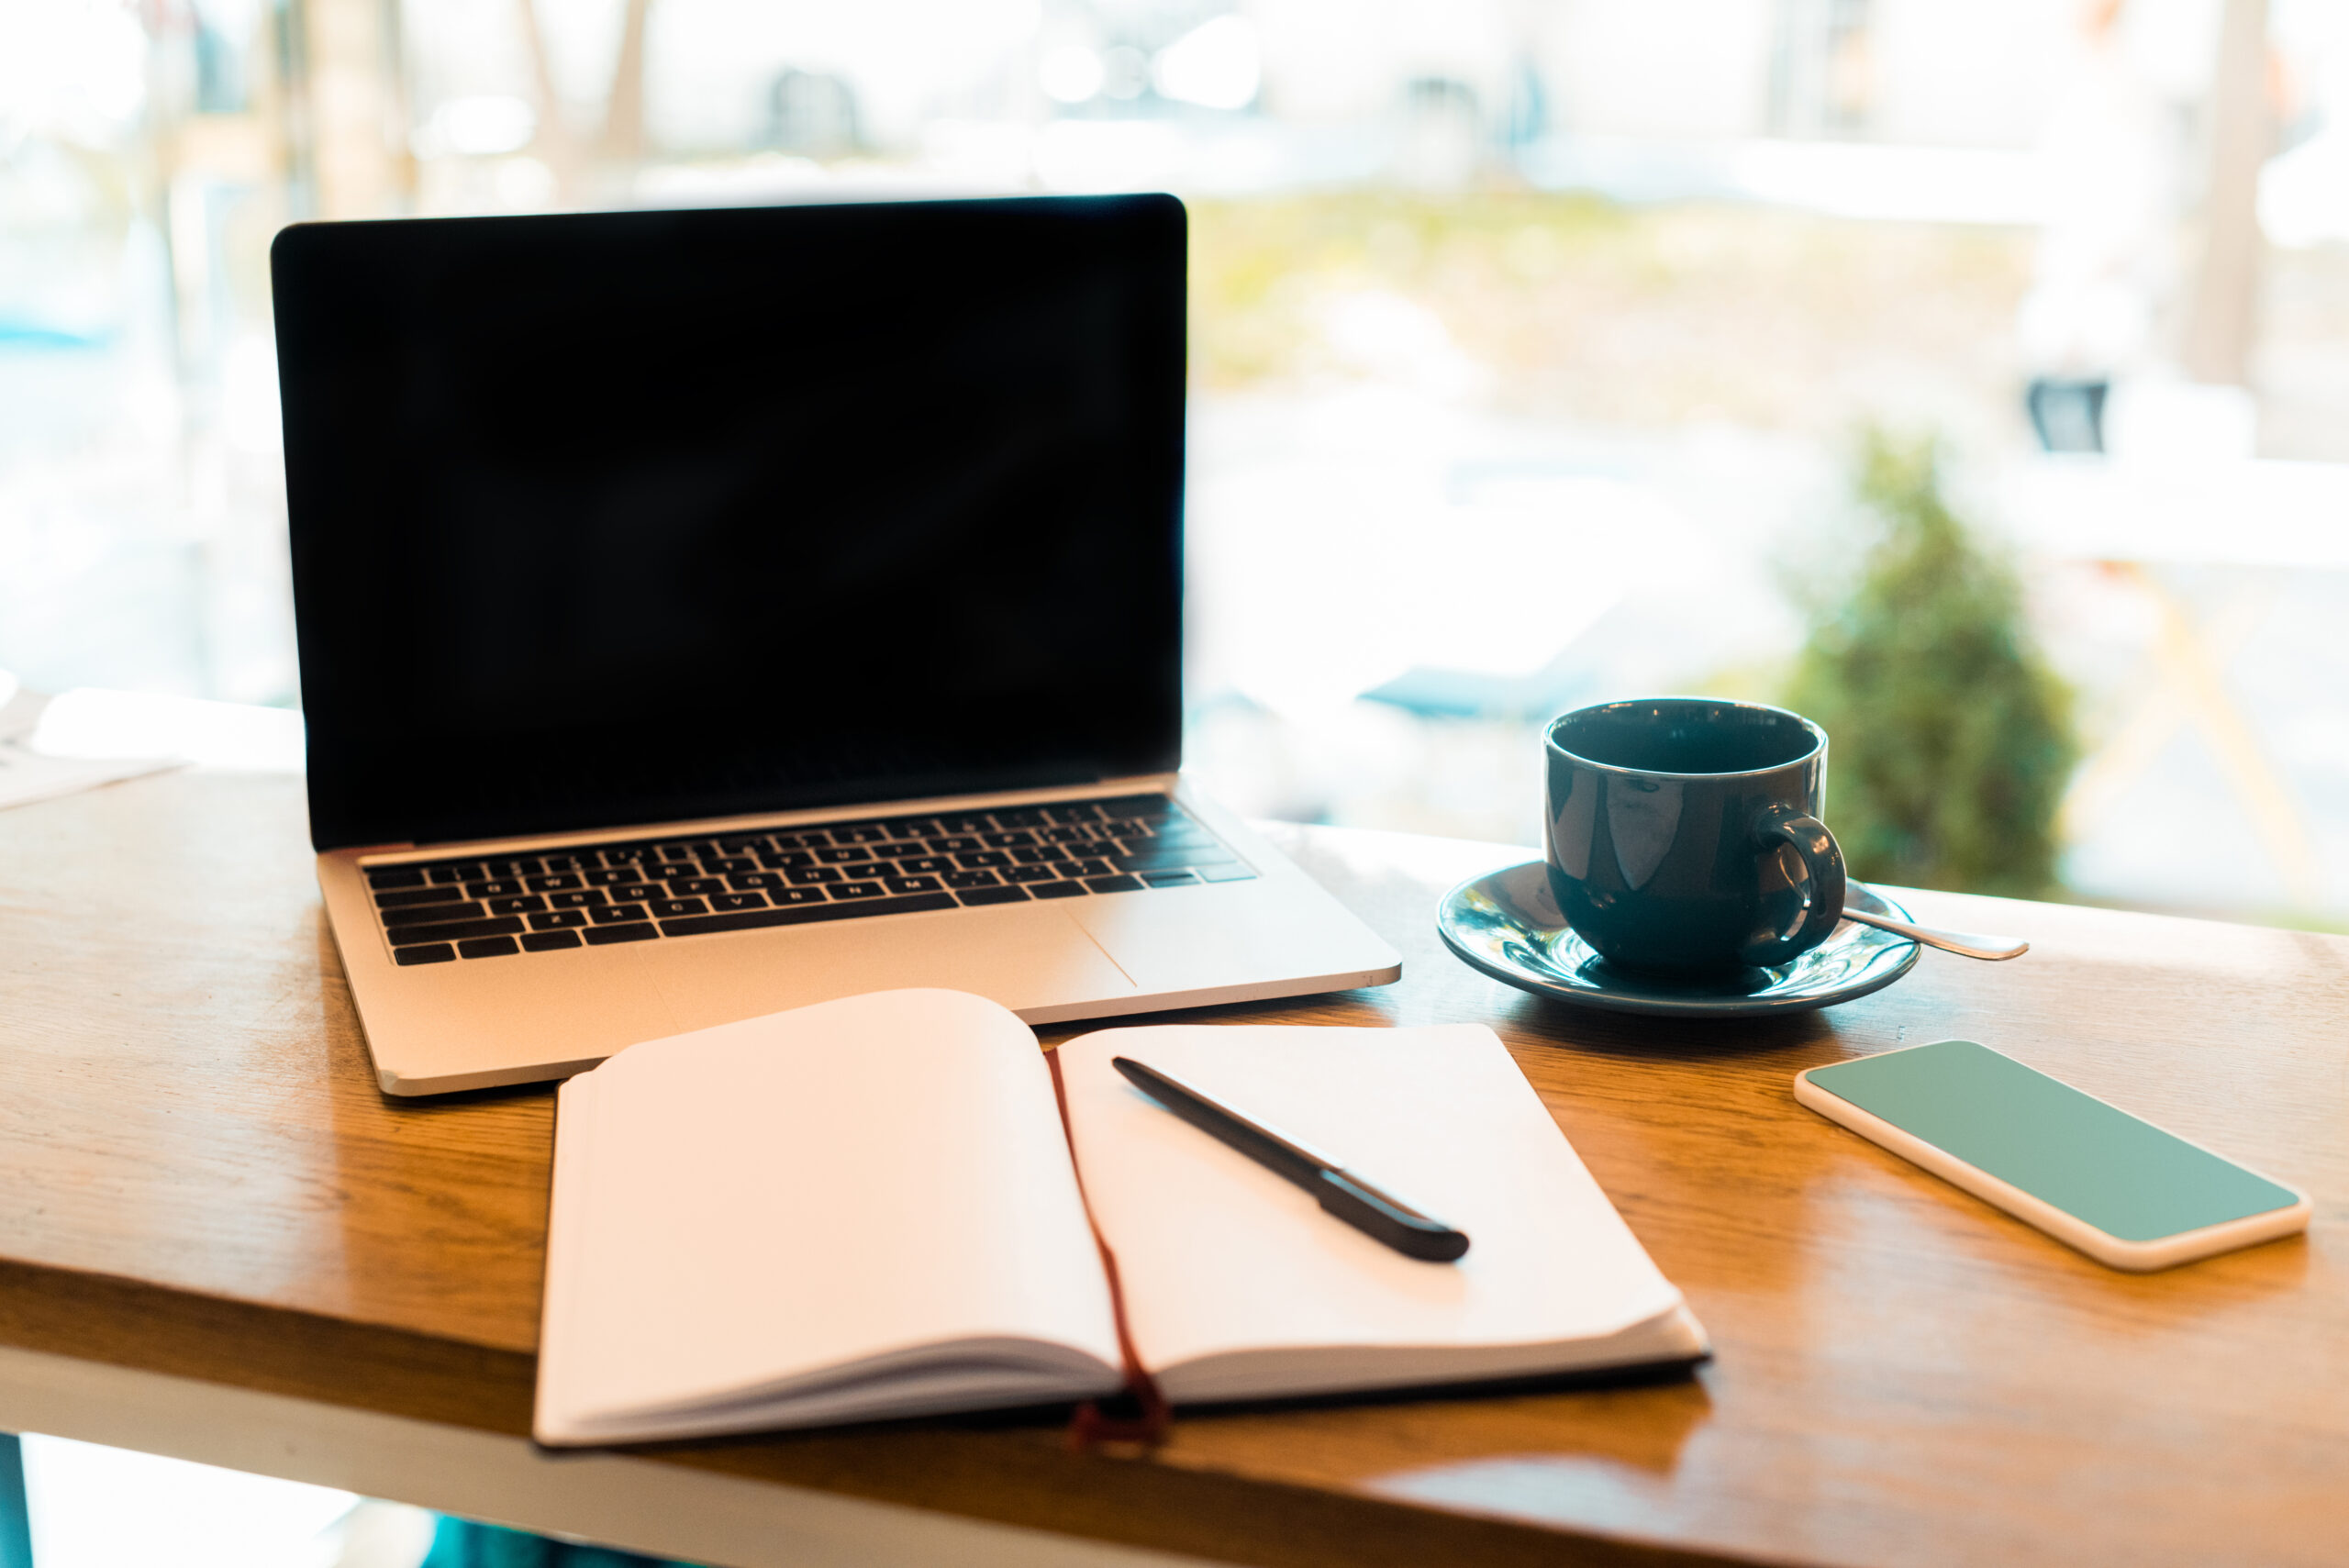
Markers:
{"x": 648, "y": 890}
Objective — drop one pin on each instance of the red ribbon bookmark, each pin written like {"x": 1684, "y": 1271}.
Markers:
{"x": 1091, "y": 1426}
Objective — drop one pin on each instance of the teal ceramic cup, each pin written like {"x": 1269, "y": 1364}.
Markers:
{"x": 1683, "y": 833}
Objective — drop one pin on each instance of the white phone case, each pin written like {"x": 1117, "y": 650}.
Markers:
{"x": 2138, "y": 1257}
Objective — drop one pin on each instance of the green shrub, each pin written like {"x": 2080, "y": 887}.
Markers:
{"x": 1951, "y": 739}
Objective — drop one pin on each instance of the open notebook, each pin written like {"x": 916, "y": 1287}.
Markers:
{"x": 866, "y": 1209}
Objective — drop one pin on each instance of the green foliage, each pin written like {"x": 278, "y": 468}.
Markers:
{"x": 1951, "y": 738}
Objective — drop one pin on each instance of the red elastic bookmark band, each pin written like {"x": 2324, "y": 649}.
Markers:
{"x": 1091, "y": 1426}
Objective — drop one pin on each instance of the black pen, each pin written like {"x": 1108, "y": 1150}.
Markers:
{"x": 1378, "y": 1215}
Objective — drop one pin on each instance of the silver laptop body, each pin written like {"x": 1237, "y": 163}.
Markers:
{"x": 710, "y": 613}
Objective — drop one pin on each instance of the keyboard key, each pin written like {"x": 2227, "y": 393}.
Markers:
{"x": 630, "y": 854}
{"x": 527, "y": 903}
{"x": 994, "y": 896}
{"x": 809, "y": 840}
{"x": 1058, "y": 890}
{"x": 435, "y": 952}
{"x": 395, "y": 876}
{"x": 910, "y": 884}
{"x": 859, "y": 832}
{"x": 808, "y": 876}
{"x": 1031, "y": 873}
{"x": 913, "y": 826}
{"x": 558, "y": 920}
{"x": 1085, "y": 868}
{"x": 1139, "y": 806}
{"x": 731, "y": 900}
{"x": 1065, "y": 836}
{"x": 1150, "y": 857}
{"x": 729, "y": 866}
{"x": 1114, "y": 883}
{"x": 966, "y": 822}
{"x": 1038, "y": 854}
{"x": 981, "y": 858}
{"x": 857, "y": 890}
{"x": 584, "y": 898}
{"x": 1008, "y": 840}
{"x": 848, "y": 852}
{"x": 504, "y": 868}
{"x": 422, "y": 913}
{"x": 1230, "y": 870}
{"x": 547, "y": 941}
{"x": 553, "y": 883}
{"x": 616, "y": 914}
{"x": 745, "y": 881}
{"x": 488, "y": 946}
{"x": 453, "y": 873}
{"x": 694, "y": 886}
{"x": 784, "y": 860}
{"x": 1074, "y": 811}
{"x": 972, "y": 879}
{"x": 635, "y": 893}
{"x": 455, "y": 930}
{"x": 1170, "y": 879}
{"x": 559, "y": 862}
{"x": 926, "y": 865}
{"x": 1019, "y": 818}
{"x": 494, "y": 887}
{"x": 753, "y": 919}
{"x": 1180, "y": 853}
{"x": 611, "y": 876}
{"x": 1126, "y": 829}
{"x": 797, "y": 896}
{"x": 954, "y": 844}
{"x": 663, "y": 908}
{"x": 603, "y": 935}
{"x": 863, "y": 871}
{"x": 422, "y": 896}
{"x": 740, "y": 846}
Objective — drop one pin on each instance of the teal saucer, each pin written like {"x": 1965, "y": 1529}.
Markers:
{"x": 1507, "y": 925}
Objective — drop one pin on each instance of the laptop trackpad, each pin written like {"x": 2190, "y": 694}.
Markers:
{"x": 1029, "y": 956}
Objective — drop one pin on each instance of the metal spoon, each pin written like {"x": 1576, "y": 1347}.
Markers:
{"x": 1973, "y": 944}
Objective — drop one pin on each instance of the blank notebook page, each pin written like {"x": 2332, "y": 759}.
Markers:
{"x": 816, "y": 1190}
{"x": 1237, "y": 1285}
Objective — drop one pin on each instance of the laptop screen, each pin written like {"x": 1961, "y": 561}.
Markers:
{"x": 623, "y": 518}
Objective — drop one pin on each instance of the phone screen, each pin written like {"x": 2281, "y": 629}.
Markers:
{"x": 2126, "y": 1177}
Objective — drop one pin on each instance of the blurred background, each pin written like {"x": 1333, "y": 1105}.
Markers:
{"x": 1539, "y": 346}
{"x": 1975, "y": 372}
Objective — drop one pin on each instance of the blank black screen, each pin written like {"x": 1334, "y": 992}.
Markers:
{"x": 621, "y": 517}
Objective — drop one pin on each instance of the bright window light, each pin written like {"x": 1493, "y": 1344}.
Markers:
{"x": 1070, "y": 74}
{"x": 485, "y": 125}
{"x": 108, "y": 1507}
{"x": 1215, "y": 65}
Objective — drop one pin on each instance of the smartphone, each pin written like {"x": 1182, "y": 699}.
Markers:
{"x": 2089, "y": 1173}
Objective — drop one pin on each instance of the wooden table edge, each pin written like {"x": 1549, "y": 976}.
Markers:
{"x": 1020, "y": 1476}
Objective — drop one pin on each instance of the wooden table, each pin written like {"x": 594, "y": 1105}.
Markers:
{"x": 218, "y": 1241}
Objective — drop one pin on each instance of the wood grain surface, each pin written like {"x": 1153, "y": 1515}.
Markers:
{"x": 200, "y": 1178}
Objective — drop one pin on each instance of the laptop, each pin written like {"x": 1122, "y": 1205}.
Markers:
{"x": 710, "y": 612}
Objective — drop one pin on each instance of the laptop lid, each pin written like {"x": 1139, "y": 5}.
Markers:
{"x": 618, "y": 517}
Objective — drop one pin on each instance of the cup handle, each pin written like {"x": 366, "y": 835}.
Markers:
{"x": 1822, "y": 860}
